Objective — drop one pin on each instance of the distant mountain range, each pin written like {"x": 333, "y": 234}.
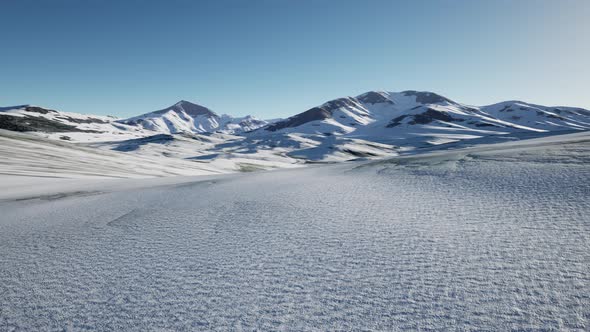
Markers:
{"x": 372, "y": 113}
{"x": 373, "y": 124}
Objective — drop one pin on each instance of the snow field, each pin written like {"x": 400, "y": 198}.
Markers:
{"x": 479, "y": 240}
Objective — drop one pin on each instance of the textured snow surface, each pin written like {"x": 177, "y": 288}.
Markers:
{"x": 477, "y": 239}
{"x": 28, "y": 155}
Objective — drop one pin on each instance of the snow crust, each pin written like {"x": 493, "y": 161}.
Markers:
{"x": 493, "y": 237}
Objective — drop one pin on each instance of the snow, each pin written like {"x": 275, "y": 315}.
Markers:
{"x": 339, "y": 130}
{"x": 493, "y": 237}
{"x": 185, "y": 116}
{"x": 102, "y": 128}
{"x": 373, "y": 121}
{"x": 27, "y": 155}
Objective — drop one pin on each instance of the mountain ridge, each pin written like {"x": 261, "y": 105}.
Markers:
{"x": 185, "y": 116}
{"x": 374, "y": 124}
{"x": 409, "y": 108}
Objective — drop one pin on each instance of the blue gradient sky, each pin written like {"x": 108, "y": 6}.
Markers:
{"x": 275, "y": 58}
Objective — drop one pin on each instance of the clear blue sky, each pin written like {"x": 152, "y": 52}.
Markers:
{"x": 275, "y": 58}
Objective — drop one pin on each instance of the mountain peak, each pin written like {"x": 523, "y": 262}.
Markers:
{"x": 185, "y": 116}
{"x": 189, "y": 108}
{"x": 425, "y": 97}
{"x": 374, "y": 97}
{"x": 187, "y": 103}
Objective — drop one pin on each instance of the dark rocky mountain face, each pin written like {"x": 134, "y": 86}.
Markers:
{"x": 426, "y": 117}
{"x": 33, "y": 118}
{"x": 134, "y": 144}
{"x": 33, "y": 123}
{"x": 40, "y": 110}
{"x": 316, "y": 113}
{"x": 188, "y": 107}
{"x": 249, "y": 121}
{"x": 427, "y": 97}
{"x": 373, "y": 97}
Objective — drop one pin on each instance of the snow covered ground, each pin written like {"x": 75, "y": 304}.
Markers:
{"x": 22, "y": 154}
{"x": 492, "y": 237}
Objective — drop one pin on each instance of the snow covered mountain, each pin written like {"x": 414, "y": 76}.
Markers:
{"x": 185, "y": 116}
{"x": 375, "y": 124}
{"x": 68, "y": 126}
{"x": 412, "y": 114}
{"x": 182, "y": 117}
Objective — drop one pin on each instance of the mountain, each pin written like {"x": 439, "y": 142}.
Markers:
{"x": 25, "y": 118}
{"x": 65, "y": 125}
{"x": 182, "y": 117}
{"x": 374, "y": 124}
{"x": 427, "y": 116}
{"x": 185, "y": 116}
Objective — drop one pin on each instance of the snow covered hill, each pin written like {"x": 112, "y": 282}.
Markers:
{"x": 24, "y": 155}
{"x": 185, "y": 116}
{"x": 67, "y": 126}
{"x": 160, "y": 155}
{"x": 425, "y": 116}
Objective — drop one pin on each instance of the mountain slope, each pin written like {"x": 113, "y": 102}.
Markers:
{"x": 426, "y": 116}
{"x": 182, "y": 117}
{"x": 54, "y": 124}
{"x": 185, "y": 116}
{"x": 26, "y": 155}
{"x": 375, "y": 124}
